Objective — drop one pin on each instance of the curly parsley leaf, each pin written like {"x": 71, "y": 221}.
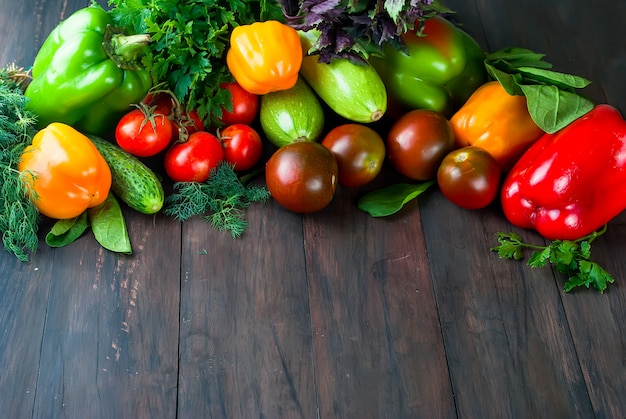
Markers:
{"x": 571, "y": 258}
{"x": 189, "y": 43}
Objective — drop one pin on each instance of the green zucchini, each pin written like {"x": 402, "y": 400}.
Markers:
{"x": 132, "y": 181}
{"x": 353, "y": 91}
{"x": 292, "y": 115}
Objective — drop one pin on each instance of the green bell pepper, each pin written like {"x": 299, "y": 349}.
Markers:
{"x": 87, "y": 74}
{"x": 439, "y": 70}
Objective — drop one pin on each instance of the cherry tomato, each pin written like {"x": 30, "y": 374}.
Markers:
{"x": 418, "y": 142}
{"x": 245, "y": 105}
{"x": 242, "y": 146}
{"x": 193, "y": 160}
{"x": 302, "y": 176}
{"x": 469, "y": 177}
{"x": 142, "y": 133}
{"x": 360, "y": 153}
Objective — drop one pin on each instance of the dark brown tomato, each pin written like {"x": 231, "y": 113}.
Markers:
{"x": 302, "y": 176}
{"x": 469, "y": 177}
{"x": 418, "y": 142}
{"x": 360, "y": 153}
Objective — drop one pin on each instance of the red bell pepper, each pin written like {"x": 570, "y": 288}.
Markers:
{"x": 570, "y": 183}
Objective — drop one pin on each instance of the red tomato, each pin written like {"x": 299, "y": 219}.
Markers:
{"x": 242, "y": 146}
{"x": 193, "y": 160}
{"x": 469, "y": 177}
{"x": 142, "y": 134}
{"x": 245, "y": 105}
{"x": 418, "y": 142}
{"x": 360, "y": 153}
{"x": 302, "y": 176}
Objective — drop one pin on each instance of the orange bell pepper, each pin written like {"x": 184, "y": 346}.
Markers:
{"x": 496, "y": 122}
{"x": 264, "y": 56}
{"x": 65, "y": 173}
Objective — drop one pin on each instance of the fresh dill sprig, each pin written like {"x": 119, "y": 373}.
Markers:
{"x": 221, "y": 200}
{"x": 19, "y": 218}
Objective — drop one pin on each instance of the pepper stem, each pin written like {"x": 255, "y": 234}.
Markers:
{"x": 124, "y": 50}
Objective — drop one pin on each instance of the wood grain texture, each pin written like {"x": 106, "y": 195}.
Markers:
{"x": 326, "y": 315}
{"x": 245, "y": 344}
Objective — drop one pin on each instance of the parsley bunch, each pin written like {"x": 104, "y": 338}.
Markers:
{"x": 570, "y": 257}
{"x": 189, "y": 40}
{"x": 19, "y": 218}
{"x": 355, "y": 29}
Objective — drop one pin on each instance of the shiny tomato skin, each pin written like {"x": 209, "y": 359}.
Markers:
{"x": 469, "y": 177}
{"x": 242, "y": 146}
{"x": 417, "y": 143}
{"x": 302, "y": 176}
{"x": 245, "y": 105}
{"x": 136, "y": 135}
{"x": 360, "y": 153}
{"x": 193, "y": 160}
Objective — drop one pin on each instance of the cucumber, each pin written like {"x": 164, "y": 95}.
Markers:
{"x": 292, "y": 115}
{"x": 132, "y": 181}
{"x": 353, "y": 91}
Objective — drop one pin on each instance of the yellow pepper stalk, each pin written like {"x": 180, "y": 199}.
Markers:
{"x": 264, "y": 56}
{"x": 64, "y": 171}
{"x": 496, "y": 122}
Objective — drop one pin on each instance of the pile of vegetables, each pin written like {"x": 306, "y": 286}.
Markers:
{"x": 208, "y": 88}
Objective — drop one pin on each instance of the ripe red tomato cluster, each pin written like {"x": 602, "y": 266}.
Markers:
{"x": 160, "y": 124}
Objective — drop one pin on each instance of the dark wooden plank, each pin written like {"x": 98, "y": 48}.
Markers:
{"x": 245, "y": 343}
{"x": 378, "y": 346}
{"x": 24, "y": 290}
{"x": 583, "y": 38}
{"x": 511, "y": 340}
{"x": 110, "y": 346}
{"x": 24, "y": 287}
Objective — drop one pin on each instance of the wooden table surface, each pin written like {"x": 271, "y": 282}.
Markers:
{"x": 333, "y": 314}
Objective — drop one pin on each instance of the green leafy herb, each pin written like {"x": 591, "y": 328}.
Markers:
{"x": 552, "y": 99}
{"x": 570, "y": 257}
{"x": 391, "y": 199}
{"x": 109, "y": 227}
{"x": 189, "y": 43}
{"x": 19, "y": 218}
{"x": 221, "y": 199}
{"x": 358, "y": 28}
{"x": 64, "y": 232}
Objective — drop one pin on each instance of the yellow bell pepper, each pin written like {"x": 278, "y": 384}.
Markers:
{"x": 496, "y": 122}
{"x": 264, "y": 56}
{"x": 64, "y": 171}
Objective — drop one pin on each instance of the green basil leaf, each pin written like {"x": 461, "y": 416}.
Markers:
{"x": 562, "y": 80}
{"x": 391, "y": 199}
{"x": 109, "y": 227}
{"x": 552, "y": 108}
{"x": 64, "y": 232}
{"x": 508, "y": 81}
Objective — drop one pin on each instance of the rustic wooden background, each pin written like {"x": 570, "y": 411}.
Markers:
{"x": 329, "y": 315}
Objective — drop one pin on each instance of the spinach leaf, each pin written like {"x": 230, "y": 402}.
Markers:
{"x": 64, "y": 232}
{"x": 551, "y": 96}
{"x": 552, "y": 108}
{"x": 109, "y": 227}
{"x": 391, "y": 199}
